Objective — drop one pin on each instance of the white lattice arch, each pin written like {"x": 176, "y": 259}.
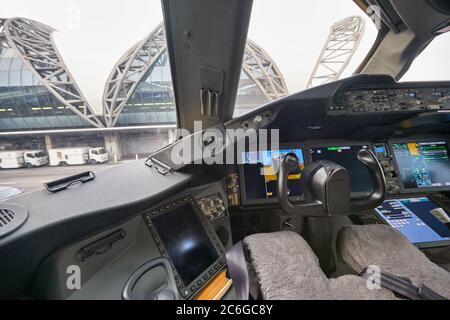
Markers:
{"x": 129, "y": 71}
{"x": 342, "y": 42}
{"x": 33, "y": 43}
{"x": 138, "y": 62}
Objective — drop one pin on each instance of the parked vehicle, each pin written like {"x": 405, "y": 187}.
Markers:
{"x": 77, "y": 156}
{"x": 98, "y": 155}
{"x": 11, "y": 159}
{"x": 22, "y": 158}
{"x": 34, "y": 158}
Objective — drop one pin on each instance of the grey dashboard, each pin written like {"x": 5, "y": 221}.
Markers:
{"x": 56, "y": 219}
{"x": 104, "y": 273}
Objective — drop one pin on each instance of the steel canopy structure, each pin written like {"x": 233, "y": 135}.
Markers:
{"x": 260, "y": 67}
{"x": 138, "y": 62}
{"x": 340, "y": 46}
{"x": 33, "y": 44}
{"x": 130, "y": 71}
{"x": 39, "y": 94}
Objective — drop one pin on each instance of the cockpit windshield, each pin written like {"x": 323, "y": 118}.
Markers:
{"x": 291, "y": 46}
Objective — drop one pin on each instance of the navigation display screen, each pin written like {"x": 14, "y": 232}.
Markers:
{"x": 414, "y": 218}
{"x": 423, "y": 165}
{"x": 259, "y": 171}
{"x": 347, "y": 157}
{"x": 186, "y": 241}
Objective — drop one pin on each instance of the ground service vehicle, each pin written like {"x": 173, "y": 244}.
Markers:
{"x": 77, "y": 156}
{"x": 22, "y": 158}
{"x": 34, "y": 158}
{"x": 11, "y": 159}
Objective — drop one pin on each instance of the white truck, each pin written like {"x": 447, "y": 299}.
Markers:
{"x": 77, "y": 156}
{"x": 22, "y": 158}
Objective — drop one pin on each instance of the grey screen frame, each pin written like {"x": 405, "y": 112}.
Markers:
{"x": 185, "y": 289}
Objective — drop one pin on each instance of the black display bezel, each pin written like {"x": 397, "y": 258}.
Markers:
{"x": 339, "y": 143}
{"x": 397, "y": 168}
{"x": 274, "y": 200}
{"x": 187, "y": 290}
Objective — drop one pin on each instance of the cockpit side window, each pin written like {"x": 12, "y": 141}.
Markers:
{"x": 432, "y": 64}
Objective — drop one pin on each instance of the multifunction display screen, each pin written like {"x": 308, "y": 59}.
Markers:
{"x": 260, "y": 169}
{"x": 423, "y": 165}
{"x": 414, "y": 218}
{"x": 347, "y": 157}
{"x": 186, "y": 241}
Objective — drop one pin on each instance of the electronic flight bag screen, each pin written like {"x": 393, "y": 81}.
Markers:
{"x": 418, "y": 219}
{"x": 423, "y": 165}
{"x": 259, "y": 175}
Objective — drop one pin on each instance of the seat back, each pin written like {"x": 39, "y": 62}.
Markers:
{"x": 384, "y": 247}
{"x": 286, "y": 268}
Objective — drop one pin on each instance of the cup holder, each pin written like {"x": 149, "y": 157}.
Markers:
{"x": 152, "y": 281}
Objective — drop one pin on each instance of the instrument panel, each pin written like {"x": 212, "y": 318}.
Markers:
{"x": 410, "y": 166}
{"x": 392, "y": 100}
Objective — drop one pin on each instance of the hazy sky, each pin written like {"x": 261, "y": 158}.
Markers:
{"x": 93, "y": 35}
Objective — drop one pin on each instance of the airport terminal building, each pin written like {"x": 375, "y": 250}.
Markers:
{"x": 42, "y": 107}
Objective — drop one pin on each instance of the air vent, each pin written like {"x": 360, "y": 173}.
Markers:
{"x": 11, "y": 218}
{"x": 6, "y": 217}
